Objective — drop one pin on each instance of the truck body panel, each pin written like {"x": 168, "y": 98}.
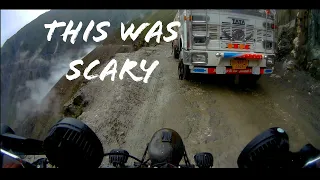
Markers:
{"x": 223, "y": 39}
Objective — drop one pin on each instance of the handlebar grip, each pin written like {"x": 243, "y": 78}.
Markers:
{"x": 310, "y": 150}
{"x": 309, "y": 153}
{"x": 305, "y": 156}
{"x": 22, "y": 145}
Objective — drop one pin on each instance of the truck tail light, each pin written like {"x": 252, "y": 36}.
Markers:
{"x": 252, "y": 56}
{"x": 268, "y": 11}
{"x": 269, "y": 25}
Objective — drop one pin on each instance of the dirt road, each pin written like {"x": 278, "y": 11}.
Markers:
{"x": 209, "y": 115}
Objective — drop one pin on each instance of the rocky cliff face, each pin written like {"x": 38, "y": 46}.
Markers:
{"x": 299, "y": 41}
{"x": 314, "y": 43}
{"x": 30, "y": 65}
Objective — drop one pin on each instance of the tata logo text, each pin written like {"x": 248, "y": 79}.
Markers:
{"x": 238, "y": 46}
{"x": 238, "y": 21}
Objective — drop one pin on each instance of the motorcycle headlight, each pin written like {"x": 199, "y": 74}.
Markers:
{"x": 266, "y": 150}
{"x": 71, "y": 143}
{"x": 199, "y": 58}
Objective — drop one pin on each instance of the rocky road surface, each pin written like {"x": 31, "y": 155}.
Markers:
{"x": 210, "y": 114}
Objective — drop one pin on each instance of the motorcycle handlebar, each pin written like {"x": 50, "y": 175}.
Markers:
{"x": 180, "y": 166}
{"x": 142, "y": 164}
{"x": 20, "y": 144}
{"x": 308, "y": 156}
{"x": 305, "y": 158}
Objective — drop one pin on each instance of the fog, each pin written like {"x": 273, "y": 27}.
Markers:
{"x": 40, "y": 87}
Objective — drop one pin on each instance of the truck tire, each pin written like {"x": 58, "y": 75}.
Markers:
{"x": 183, "y": 71}
{"x": 253, "y": 79}
{"x": 186, "y": 72}
{"x": 180, "y": 70}
{"x": 249, "y": 79}
{"x": 176, "y": 53}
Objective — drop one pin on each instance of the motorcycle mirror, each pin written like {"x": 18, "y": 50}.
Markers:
{"x": 268, "y": 149}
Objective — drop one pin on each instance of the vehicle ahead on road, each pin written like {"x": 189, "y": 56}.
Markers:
{"x": 71, "y": 143}
{"x": 235, "y": 42}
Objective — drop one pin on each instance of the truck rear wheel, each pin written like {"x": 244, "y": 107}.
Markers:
{"x": 176, "y": 53}
{"x": 253, "y": 79}
{"x": 183, "y": 71}
{"x": 187, "y": 74}
{"x": 249, "y": 79}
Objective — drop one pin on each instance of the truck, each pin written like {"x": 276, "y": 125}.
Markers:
{"x": 239, "y": 42}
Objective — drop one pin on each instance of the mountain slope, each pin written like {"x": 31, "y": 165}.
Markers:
{"x": 165, "y": 16}
{"x": 30, "y": 65}
{"x": 53, "y": 106}
{"x": 299, "y": 40}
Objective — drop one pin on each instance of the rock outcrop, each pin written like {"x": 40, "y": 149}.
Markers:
{"x": 299, "y": 41}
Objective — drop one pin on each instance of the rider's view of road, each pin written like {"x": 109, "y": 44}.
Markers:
{"x": 234, "y": 89}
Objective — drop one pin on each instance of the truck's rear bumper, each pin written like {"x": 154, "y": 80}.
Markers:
{"x": 226, "y": 70}
{"x": 222, "y": 58}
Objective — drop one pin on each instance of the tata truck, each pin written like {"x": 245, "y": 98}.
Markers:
{"x": 239, "y": 42}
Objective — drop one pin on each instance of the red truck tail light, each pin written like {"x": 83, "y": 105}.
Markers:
{"x": 269, "y": 25}
{"x": 238, "y": 46}
{"x": 268, "y": 11}
{"x": 252, "y": 56}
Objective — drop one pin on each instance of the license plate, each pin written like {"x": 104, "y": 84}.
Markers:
{"x": 239, "y": 64}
